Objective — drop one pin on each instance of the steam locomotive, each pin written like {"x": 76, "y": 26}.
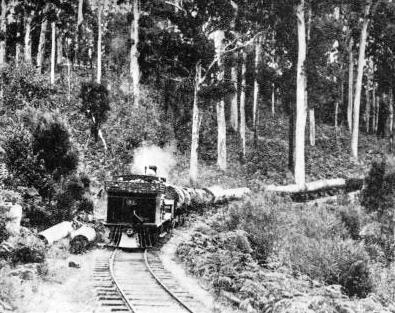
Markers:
{"x": 142, "y": 208}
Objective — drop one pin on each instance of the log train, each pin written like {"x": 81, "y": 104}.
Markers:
{"x": 142, "y": 208}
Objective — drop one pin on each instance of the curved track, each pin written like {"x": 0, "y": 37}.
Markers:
{"x": 137, "y": 282}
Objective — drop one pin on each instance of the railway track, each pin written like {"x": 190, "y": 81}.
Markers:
{"x": 137, "y": 282}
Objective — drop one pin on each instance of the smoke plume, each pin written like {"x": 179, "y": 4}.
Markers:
{"x": 146, "y": 155}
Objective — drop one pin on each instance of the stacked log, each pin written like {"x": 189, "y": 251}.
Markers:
{"x": 186, "y": 197}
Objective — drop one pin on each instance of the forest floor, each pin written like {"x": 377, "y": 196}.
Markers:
{"x": 268, "y": 162}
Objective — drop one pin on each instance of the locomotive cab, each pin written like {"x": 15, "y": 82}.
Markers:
{"x": 137, "y": 208}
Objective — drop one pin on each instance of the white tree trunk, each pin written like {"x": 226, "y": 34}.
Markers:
{"x": 368, "y": 105}
{"x": 53, "y": 52}
{"x": 99, "y": 39}
{"x": 299, "y": 167}
{"x": 273, "y": 100}
{"x": 28, "y": 39}
{"x": 134, "y": 54}
{"x": 312, "y": 126}
{"x": 358, "y": 86}
{"x": 3, "y": 30}
{"x": 196, "y": 120}
{"x": 374, "y": 108}
{"x": 59, "y": 50}
{"x": 234, "y": 108}
{"x": 377, "y": 113}
{"x": 242, "y": 104}
{"x": 258, "y": 51}
{"x": 350, "y": 83}
{"x": 218, "y": 37}
{"x": 41, "y": 44}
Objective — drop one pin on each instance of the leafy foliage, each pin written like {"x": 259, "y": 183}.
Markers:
{"x": 23, "y": 86}
{"x": 41, "y": 157}
{"x": 95, "y": 104}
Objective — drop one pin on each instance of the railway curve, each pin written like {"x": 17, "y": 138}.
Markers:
{"x": 138, "y": 282}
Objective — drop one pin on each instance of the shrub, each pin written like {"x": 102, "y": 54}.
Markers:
{"x": 22, "y": 86}
{"x": 316, "y": 243}
{"x": 40, "y": 157}
{"x": 351, "y": 219}
{"x": 259, "y": 218}
{"x": 95, "y": 104}
{"x": 378, "y": 198}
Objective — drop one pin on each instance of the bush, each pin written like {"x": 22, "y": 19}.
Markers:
{"x": 317, "y": 243}
{"x": 95, "y": 105}
{"x": 259, "y": 218}
{"x": 40, "y": 157}
{"x": 378, "y": 198}
{"x": 351, "y": 219}
{"x": 22, "y": 86}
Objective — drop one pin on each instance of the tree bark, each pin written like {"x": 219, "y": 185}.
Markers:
{"x": 367, "y": 110}
{"x": 312, "y": 126}
{"x": 134, "y": 54}
{"x": 258, "y": 51}
{"x": 196, "y": 121}
{"x": 273, "y": 99}
{"x": 99, "y": 44}
{"x": 28, "y": 38}
{"x": 3, "y": 31}
{"x": 53, "y": 52}
{"x": 242, "y": 104}
{"x": 41, "y": 44}
{"x": 306, "y": 99}
{"x": 299, "y": 168}
{"x": 374, "y": 107}
{"x": 350, "y": 83}
{"x": 218, "y": 37}
{"x": 377, "y": 114}
{"x": 234, "y": 107}
{"x": 358, "y": 86}
{"x": 59, "y": 50}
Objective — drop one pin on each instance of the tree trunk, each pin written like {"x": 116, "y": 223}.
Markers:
{"x": 196, "y": 121}
{"x": 41, "y": 44}
{"x": 311, "y": 110}
{"x": 59, "y": 50}
{"x": 299, "y": 168}
{"x": 350, "y": 83}
{"x": 374, "y": 107}
{"x": 134, "y": 54}
{"x": 377, "y": 114}
{"x": 258, "y": 50}
{"x": 336, "y": 121}
{"x": 242, "y": 105}
{"x": 367, "y": 110}
{"x": 273, "y": 100}
{"x": 28, "y": 38}
{"x": 99, "y": 48}
{"x": 3, "y": 31}
{"x": 53, "y": 52}
{"x": 312, "y": 126}
{"x": 218, "y": 36}
{"x": 234, "y": 107}
{"x": 358, "y": 86}
{"x": 291, "y": 138}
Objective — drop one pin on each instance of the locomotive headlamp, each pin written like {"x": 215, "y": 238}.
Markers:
{"x": 129, "y": 232}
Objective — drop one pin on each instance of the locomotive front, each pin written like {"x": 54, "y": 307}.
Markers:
{"x": 137, "y": 210}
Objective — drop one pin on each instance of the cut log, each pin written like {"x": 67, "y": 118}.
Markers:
{"x": 56, "y": 233}
{"x": 349, "y": 184}
{"x": 351, "y": 196}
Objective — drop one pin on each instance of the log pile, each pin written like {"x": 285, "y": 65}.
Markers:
{"x": 186, "y": 197}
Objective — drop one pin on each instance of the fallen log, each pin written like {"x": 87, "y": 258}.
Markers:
{"x": 351, "y": 196}
{"x": 56, "y": 233}
{"x": 350, "y": 184}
